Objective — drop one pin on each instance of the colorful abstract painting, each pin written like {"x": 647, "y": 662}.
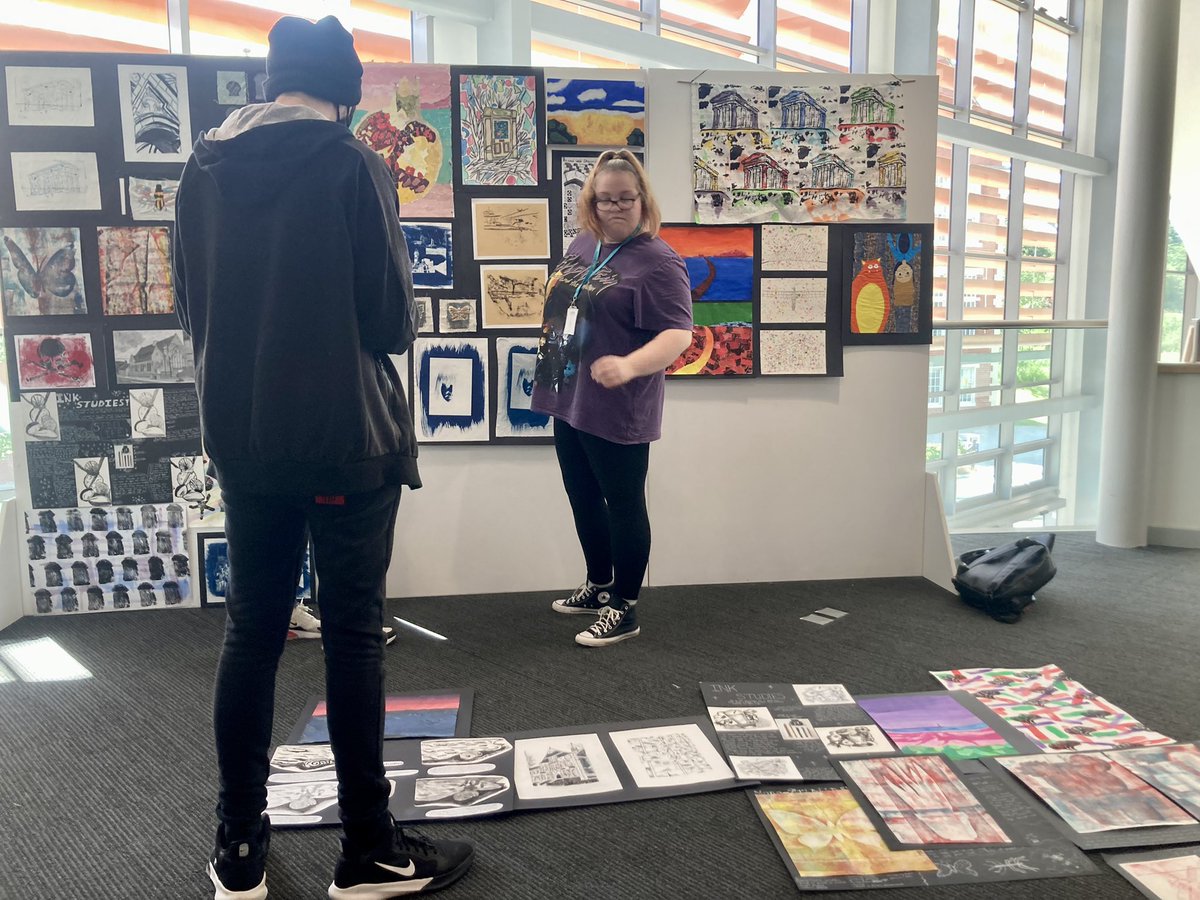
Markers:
{"x": 55, "y": 361}
{"x": 452, "y": 389}
{"x": 720, "y": 265}
{"x": 923, "y": 802}
{"x": 39, "y": 275}
{"x": 825, "y": 833}
{"x": 922, "y": 724}
{"x": 516, "y": 359}
{"x": 498, "y": 124}
{"x": 595, "y": 112}
{"x": 770, "y": 153}
{"x": 1173, "y": 769}
{"x": 888, "y": 287}
{"x": 135, "y": 271}
{"x": 433, "y": 715}
{"x": 404, "y": 116}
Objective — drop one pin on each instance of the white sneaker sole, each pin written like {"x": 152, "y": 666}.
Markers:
{"x": 588, "y": 641}
{"x": 255, "y": 893}
{"x": 378, "y": 891}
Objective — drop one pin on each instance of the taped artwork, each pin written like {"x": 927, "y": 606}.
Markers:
{"x": 49, "y": 96}
{"x": 232, "y": 89}
{"x": 935, "y": 723}
{"x": 769, "y": 153}
{"x": 458, "y": 315}
{"x": 55, "y": 361}
{"x": 40, "y": 416}
{"x": 155, "y": 119}
{"x": 793, "y": 301}
{"x": 452, "y": 399}
{"x": 39, "y": 272}
{"x": 1173, "y": 769}
{"x": 511, "y": 229}
{"x": 431, "y": 253}
{"x": 404, "y": 116}
{"x": 515, "y": 417}
{"x": 567, "y": 765}
{"x": 782, "y": 352}
{"x": 885, "y": 290}
{"x": 512, "y": 296}
{"x": 153, "y": 357}
{"x": 55, "y": 181}
{"x": 795, "y": 248}
{"x": 595, "y": 112}
{"x": 499, "y": 129}
{"x": 152, "y": 199}
{"x": 720, "y": 265}
{"x": 135, "y": 270}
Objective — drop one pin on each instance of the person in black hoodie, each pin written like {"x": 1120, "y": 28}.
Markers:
{"x": 292, "y": 281}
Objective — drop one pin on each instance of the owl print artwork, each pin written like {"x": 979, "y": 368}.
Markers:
{"x": 889, "y": 291}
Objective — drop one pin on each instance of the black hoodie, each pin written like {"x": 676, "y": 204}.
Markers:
{"x": 292, "y": 280}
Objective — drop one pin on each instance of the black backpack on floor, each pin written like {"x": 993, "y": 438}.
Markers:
{"x": 1002, "y": 580}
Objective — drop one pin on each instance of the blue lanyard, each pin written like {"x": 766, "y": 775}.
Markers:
{"x": 596, "y": 265}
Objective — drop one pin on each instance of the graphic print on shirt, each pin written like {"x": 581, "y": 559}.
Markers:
{"x": 559, "y": 353}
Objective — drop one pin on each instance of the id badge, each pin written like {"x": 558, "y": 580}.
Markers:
{"x": 569, "y": 325}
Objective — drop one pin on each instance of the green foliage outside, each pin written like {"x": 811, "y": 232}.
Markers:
{"x": 1029, "y": 370}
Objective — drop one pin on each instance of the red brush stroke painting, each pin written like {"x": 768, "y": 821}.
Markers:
{"x": 55, "y": 361}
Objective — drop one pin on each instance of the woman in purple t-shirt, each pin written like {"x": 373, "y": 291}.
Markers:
{"x": 618, "y": 312}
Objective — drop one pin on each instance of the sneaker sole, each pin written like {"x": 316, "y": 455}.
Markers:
{"x": 575, "y": 610}
{"x": 389, "y": 889}
{"x": 223, "y": 893}
{"x": 297, "y": 633}
{"x": 588, "y": 641}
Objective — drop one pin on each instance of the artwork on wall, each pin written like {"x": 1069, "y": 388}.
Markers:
{"x": 431, "y": 252}
{"x": 40, "y": 276}
{"x": 49, "y": 96}
{"x": 404, "y": 116}
{"x": 232, "y": 89}
{"x": 452, "y": 389}
{"x": 720, "y": 264}
{"x": 155, "y": 118}
{"x": 515, "y": 360}
{"x": 510, "y": 229}
{"x": 55, "y": 361}
{"x": 39, "y": 416}
{"x": 424, "y": 309}
{"x": 55, "y": 181}
{"x": 512, "y": 296}
{"x": 147, "y": 413}
{"x": 498, "y": 128}
{"x": 595, "y": 112}
{"x": 212, "y": 551}
{"x": 135, "y": 270}
{"x": 795, "y": 248}
{"x": 769, "y": 153}
{"x": 574, "y": 167}
{"x": 793, "y": 300}
{"x": 888, "y": 285}
{"x": 458, "y": 316}
{"x": 93, "y": 481}
{"x": 153, "y": 357}
{"x": 190, "y": 485}
{"x": 152, "y": 199}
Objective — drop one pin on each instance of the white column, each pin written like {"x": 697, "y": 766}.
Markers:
{"x": 506, "y": 40}
{"x": 1139, "y": 246}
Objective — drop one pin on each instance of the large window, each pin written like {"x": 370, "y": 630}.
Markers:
{"x": 84, "y": 26}
{"x": 1179, "y": 300}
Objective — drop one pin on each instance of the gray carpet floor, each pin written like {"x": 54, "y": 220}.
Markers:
{"x": 106, "y": 783}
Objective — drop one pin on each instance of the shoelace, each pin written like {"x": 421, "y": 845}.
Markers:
{"x": 609, "y": 618}
{"x": 414, "y": 840}
{"x": 581, "y": 593}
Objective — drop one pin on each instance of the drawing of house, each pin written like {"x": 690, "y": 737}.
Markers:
{"x": 499, "y": 133}
{"x": 57, "y": 178}
{"x": 891, "y": 169}
{"x": 704, "y": 177}
{"x": 831, "y": 172}
{"x": 800, "y": 110}
{"x": 165, "y": 359}
{"x": 731, "y": 111}
{"x": 763, "y": 173}
{"x": 51, "y": 96}
{"x": 867, "y": 107}
{"x": 562, "y": 767}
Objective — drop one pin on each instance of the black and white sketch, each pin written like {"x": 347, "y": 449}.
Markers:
{"x": 303, "y": 803}
{"x": 49, "y": 96}
{"x": 564, "y": 766}
{"x": 573, "y": 171}
{"x": 40, "y": 276}
{"x": 848, "y": 740}
{"x": 458, "y": 315}
{"x": 147, "y": 415}
{"x": 822, "y": 694}
{"x": 795, "y": 248}
{"x": 431, "y": 251}
{"x": 39, "y": 416}
{"x": 155, "y": 121}
{"x": 670, "y": 755}
{"x": 153, "y": 357}
{"x": 465, "y": 791}
{"x": 189, "y": 485}
{"x": 302, "y": 758}
{"x": 231, "y": 89}
{"x": 54, "y": 181}
{"x": 794, "y": 729}
{"x": 793, "y": 300}
{"x": 152, "y": 199}
{"x": 93, "y": 483}
{"x": 425, "y": 320}
{"x": 741, "y": 718}
{"x": 512, "y": 295}
{"x": 124, "y": 459}
{"x": 510, "y": 229}
{"x": 462, "y": 750}
{"x": 765, "y": 768}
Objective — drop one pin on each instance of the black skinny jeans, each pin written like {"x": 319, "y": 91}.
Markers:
{"x": 606, "y": 484}
{"x": 352, "y": 546}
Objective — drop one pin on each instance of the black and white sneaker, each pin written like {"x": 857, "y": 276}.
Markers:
{"x": 409, "y": 863}
{"x": 238, "y": 869}
{"x": 616, "y": 623}
{"x": 588, "y": 598}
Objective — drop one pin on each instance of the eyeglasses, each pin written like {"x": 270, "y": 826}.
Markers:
{"x": 616, "y": 202}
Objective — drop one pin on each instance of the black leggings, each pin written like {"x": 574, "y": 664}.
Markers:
{"x": 606, "y": 484}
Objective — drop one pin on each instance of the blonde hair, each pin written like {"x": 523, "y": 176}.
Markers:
{"x": 617, "y": 161}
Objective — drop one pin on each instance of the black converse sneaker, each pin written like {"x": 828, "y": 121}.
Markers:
{"x": 588, "y": 598}
{"x": 238, "y": 869}
{"x": 616, "y": 623}
{"x": 407, "y": 863}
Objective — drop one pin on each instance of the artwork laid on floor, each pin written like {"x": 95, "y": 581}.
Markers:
{"x": 458, "y": 316}
{"x": 55, "y": 181}
{"x": 595, "y": 112}
{"x": 96, "y": 558}
{"x": 153, "y": 357}
{"x": 515, "y": 418}
{"x": 795, "y": 248}
{"x": 431, "y": 248}
{"x": 452, "y": 389}
{"x": 404, "y": 116}
{"x": 135, "y": 270}
{"x": 669, "y": 756}
{"x": 888, "y": 285}
{"x": 948, "y": 723}
{"x": 49, "y": 96}
{"x": 510, "y": 229}
{"x": 498, "y": 128}
{"x": 829, "y": 843}
{"x": 853, "y": 740}
{"x": 1170, "y": 874}
{"x": 432, "y": 714}
{"x": 566, "y": 765}
{"x": 155, "y": 118}
{"x": 55, "y": 361}
{"x": 512, "y": 295}
{"x": 38, "y": 418}
{"x": 1174, "y": 769}
{"x": 770, "y": 153}
{"x": 1054, "y": 711}
{"x": 152, "y": 199}
{"x": 763, "y": 722}
{"x": 40, "y": 274}
{"x": 720, "y": 264}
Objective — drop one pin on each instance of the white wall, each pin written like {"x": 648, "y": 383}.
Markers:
{"x": 1175, "y": 460}
{"x": 754, "y": 480}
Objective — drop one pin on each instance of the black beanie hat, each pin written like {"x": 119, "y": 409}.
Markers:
{"x": 314, "y": 58}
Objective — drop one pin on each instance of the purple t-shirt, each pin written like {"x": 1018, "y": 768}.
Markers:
{"x": 643, "y": 291}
